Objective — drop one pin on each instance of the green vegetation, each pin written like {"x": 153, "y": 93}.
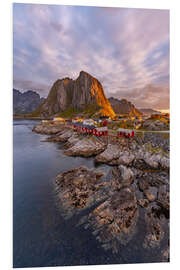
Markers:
{"x": 69, "y": 113}
{"x": 87, "y": 112}
{"x": 90, "y": 110}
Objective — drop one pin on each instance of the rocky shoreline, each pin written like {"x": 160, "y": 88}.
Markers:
{"x": 136, "y": 187}
{"x": 129, "y": 152}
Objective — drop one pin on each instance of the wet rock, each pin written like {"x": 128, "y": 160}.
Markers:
{"x": 157, "y": 160}
{"x": 163, "y": 200}
{"x": 147, "y": 160}
{"x": 72, "y": 140}
{"x": 116, "y": 155}
{"x": 110, "y": 153}
{"x": 133, "y": 187}
{"x": 54, "y": 138}
{"x": 137, "y": 173}
{"x": 77, "y": 186}
{"x": 112, "y": 203}
{"x": 140, "y": 164}
{"x": 158, "y": 179}
{"x": 86, "y": 147}
{"x": 151, "y": 193}
{"x": 139, "y": 194}
{"x": 126, "y": 158}
{"x": 126, "y": 174}
{"x": 143, "y": 203}
{"x": 164, "y": 162}
{"x": 47, "y": 129}
{"x": 121, "y": 177}
{"x": 154, "y": 227}
{"x": 151, "y": 160}
{"x": 143, "y": 184}
{"x": 165, "y": 255}
{"x": 114, "y": 220}
{"x": 65, "y": 135}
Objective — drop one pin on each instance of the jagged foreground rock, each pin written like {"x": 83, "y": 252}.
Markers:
{"x": 78, "y": 188}
{"x": 85, "y": 147}
{"x": 114, "y": 221}
{"x": 80, "y": 94}
{"x": 48, "y": 130}
{"x": 116, "y": 199}
{"x": 135, "y": 190}
{"x": 139, "y": 157}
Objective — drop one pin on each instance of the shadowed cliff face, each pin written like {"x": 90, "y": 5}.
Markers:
{"x": 25, "y": 102}
{"x": 77, "y": 94}
{"x": 124, "y": 107}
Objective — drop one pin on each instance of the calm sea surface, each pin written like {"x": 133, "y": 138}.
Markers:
{"x": 41, "y": 236}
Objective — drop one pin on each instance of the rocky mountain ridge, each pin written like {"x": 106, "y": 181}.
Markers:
{"x": 85, "y": 91}
{"x": 74, "y": 96}
{"x": 124, "y": 107}
{"x": 25, "y": 102}
{"x": 147, "y": 111}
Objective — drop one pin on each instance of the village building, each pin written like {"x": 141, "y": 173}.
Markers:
{"x": 123, "y": 132}
{"x": 60, "y": 119}
{"x": 77, "y": 120}
{"x": 89, "y": 122}
{"x": 45, "y": 121}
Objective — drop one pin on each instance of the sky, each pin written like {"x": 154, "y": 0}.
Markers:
{"x": 126, "y": 49}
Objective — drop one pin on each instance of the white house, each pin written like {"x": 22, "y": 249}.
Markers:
{"x": 89, "y": 122}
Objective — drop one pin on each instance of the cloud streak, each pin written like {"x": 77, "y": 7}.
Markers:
{"x": 126, "y": 49}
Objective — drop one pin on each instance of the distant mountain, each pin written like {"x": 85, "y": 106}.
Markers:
{"x": 25, "y": 102}
{"x": 84, "y": 93}
{"x": 124, "y": 107}
{"x": 148, "y": 111}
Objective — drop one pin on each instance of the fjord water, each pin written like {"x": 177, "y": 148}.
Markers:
{"x": 41, "y": 236}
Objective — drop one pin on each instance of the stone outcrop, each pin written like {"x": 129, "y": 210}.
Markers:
{"x": 65, "y": 135}
{"x": 48, "y": 130}
{"x": 155, "y": 125}
{"x": 163, "y": 198}
{"x": 114, "y": 220}
{"x": 123, "y": 177}
{"x": 151, "y": 193}
{"x": 139, "y": 158}
{"x": 80, "y": 94}
{"x": 115, "y": 155}
{"x": 154, "y": 227}
{"x": 111, "y": 153}
{"x": 77, "y": 187}
{"x": 113, "y": 200}
{"x": 86, "y": 147}
{"x": 72, "y": 140}
{"x": 125, "y": 153}
{"x": 143, "y": 202}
